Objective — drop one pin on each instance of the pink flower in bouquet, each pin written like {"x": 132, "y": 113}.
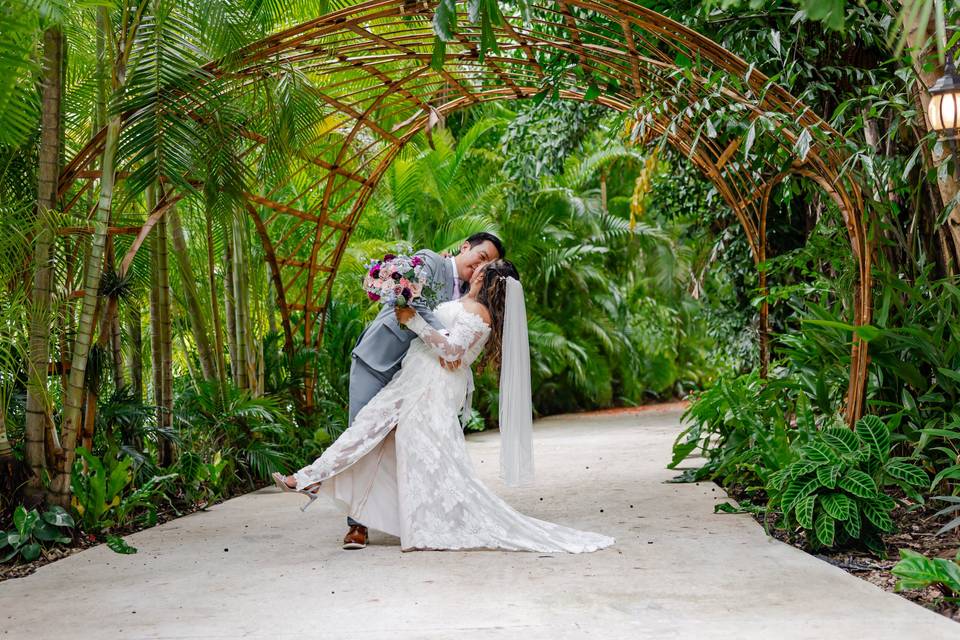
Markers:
{"x": 398, "y": 280}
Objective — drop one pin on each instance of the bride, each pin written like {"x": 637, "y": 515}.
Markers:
{"x": 402, "y": 467}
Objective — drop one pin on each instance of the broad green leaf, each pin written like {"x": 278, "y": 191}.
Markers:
{"x": 825, "y": 529}
{"x": 680, "y": 451}
{"x": 804, "y": 511}
{"x": 950, "y": 473}
{"x": 119, "y": 545}
{"x": 19, "y": 518}
{"x": 819, "y": 452}
{"x": 858, "y": 483}
{"x": 872, "y": 431}
{"x": 44, "y": 532}
{"x": 803, "y": 467}
{"x": 852, "y": 523}
{"x": 789, "y": 496}
{"x": 877, "y": 515}
{"x": 911, "y": 474}
{"x": 806, "y": 489}
{"x": 30, "y": 552}
{"x": 58, "y": 517}
{"x": 828, "y": 475}
{"x": 843, "y": 440}
{"x": 838, "y": 505}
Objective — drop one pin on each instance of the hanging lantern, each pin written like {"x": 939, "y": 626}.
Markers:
{"x": 944, "y": 107}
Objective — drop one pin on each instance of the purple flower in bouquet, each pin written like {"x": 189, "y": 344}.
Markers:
{"x": 398, "y": 280}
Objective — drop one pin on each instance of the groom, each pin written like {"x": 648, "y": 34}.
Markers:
{"x": 383, "y": 343}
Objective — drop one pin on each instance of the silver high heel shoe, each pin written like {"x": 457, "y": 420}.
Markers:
{"x": 280, "y": 480}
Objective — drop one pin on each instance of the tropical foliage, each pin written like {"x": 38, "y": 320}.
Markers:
{"x": 137, "y": 383}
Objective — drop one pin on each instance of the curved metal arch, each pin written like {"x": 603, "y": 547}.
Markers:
{"x": 388, "y": 44}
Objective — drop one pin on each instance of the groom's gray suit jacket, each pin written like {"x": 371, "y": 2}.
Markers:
{"x": 384, "y": 342}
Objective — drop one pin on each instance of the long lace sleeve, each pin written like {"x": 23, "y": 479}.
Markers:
{"x": 468, "y": 330}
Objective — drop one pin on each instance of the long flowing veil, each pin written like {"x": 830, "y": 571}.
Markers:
{"x": 516, "y": 403}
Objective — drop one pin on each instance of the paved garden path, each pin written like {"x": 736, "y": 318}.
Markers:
{"x": 256, "y": 567}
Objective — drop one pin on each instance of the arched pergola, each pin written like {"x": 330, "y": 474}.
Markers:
{"x": 371, "y": 68}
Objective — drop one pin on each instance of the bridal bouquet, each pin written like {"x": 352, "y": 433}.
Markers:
{"x": 397, "y": 280}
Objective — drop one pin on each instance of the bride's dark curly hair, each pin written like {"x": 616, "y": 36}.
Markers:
{"x": 493, "y": 295}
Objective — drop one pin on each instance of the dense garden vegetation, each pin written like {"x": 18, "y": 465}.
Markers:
{"x": 640, "y": 285}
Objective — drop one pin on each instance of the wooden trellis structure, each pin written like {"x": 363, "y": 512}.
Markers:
{"x": 370, "y": 65}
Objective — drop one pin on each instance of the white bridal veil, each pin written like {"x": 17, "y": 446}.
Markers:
{"x": 516, "y": 403}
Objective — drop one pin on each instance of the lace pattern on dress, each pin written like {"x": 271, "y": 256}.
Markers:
{"x": 441, "y": 502}
{"x": 468, "y": 331}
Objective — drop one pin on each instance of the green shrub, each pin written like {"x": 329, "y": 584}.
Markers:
{"x": 97, "y": 492}
{"x": 32, "y": 530}
{"x": 916, "y": 571}
{"x": 835, "y": 490}
{"x": 741, "y": 427}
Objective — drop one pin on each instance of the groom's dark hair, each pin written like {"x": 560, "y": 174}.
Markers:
{"x": 483, "y": 236}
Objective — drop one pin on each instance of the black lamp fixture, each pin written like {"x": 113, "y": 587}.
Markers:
{"x": 944, "y": 107}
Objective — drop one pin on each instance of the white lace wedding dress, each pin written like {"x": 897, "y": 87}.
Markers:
{"x": 402, "y": 466}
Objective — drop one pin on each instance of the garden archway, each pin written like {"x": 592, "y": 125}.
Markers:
{"x": 370, "y": 65}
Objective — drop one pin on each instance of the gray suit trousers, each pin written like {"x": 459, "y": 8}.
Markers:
{"x": 364, "y": 384}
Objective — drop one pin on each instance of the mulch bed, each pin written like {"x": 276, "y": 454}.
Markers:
{"x": 916, "y": 530}
{"x": 84, "y": 541}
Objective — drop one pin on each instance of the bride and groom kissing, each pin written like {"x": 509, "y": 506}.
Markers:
{"x": 401, "y": 466}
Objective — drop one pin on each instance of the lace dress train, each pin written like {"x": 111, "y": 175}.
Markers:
{"x": 402, "y": 467}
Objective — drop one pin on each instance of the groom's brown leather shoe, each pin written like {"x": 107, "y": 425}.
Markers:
{"x": 356, "y": 538}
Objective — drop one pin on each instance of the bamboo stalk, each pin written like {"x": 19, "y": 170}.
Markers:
{"x": 228, "y": 300}
{"x": 194, "y": 308}
{"x": 60, "y": 488}
{"x": 215, "y": 307}
{"x": 135, "y": 331}
{"x": 38, "y": 408}
{"x": 241, "y": 317}
{"x": 156, "y": 331}
{"x": 165, "y": 456}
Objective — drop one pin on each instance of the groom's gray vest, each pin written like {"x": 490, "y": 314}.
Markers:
{"x": 384, "y": 343}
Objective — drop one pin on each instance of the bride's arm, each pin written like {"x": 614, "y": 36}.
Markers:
{"x": 451, "y": 348}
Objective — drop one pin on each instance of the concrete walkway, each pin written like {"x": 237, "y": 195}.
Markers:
{"x": 256, "y": 567}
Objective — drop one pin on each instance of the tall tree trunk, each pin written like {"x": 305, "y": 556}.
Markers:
{"x": 271, "y": 303}
{"x": 92, "y": 269}
{"x": 156, "y": 368}
{"x": 252, "y": 354}
{"x": 134, "y": 330}
{"x": 215, "y": 307}
{"x": 116, "y": 347}
{"x": 165, "y": 456}
{"x": 156, "y": 332}
{"x": 241, "y": 315}
{"x": 6, "y": 451}
{"x": 947, "y": 184}
{"x": 229, "y": 304}
{"x": 188, "y": 360}
{"x": 38, "y": 403}
{"x": 194, "y": 308}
